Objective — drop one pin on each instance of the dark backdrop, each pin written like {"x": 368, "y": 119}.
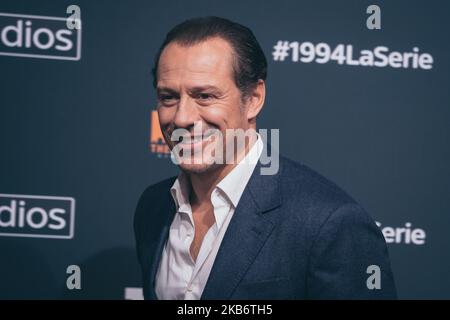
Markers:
{"x": 81, "y": 129}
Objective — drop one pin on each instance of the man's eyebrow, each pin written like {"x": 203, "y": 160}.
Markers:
{"x": 193, "y": 90}
{"x": 199, "y": 89}
{"x": 165, "y": 89}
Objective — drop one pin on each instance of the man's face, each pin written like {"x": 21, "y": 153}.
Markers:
{"x": 196, "y": 89}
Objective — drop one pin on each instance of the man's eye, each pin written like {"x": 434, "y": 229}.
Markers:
{"x": 204, "y": 96}
{"x": 165, "y": 97}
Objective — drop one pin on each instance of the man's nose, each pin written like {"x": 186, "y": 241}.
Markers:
{"x": 186, "y": 114}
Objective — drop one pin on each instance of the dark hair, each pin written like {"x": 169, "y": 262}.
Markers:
{"x": 249, "y": 65}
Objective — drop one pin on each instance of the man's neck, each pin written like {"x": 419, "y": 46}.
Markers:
{"x": 203, "y": 184}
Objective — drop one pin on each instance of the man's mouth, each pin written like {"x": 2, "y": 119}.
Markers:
{"x": 194, "y": 139}
{"x": 187, "y": 140}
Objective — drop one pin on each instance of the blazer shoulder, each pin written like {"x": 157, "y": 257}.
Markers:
{"x": 149, "y": 199}
{"x": 151, "y": 195}
{"x": 308, "y": 194}
{"x": 155, "y": 190}
{"x": 300, "y": 179}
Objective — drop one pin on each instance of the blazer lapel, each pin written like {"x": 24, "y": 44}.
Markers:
{"x": 250, "y": 226}
{"x": 157, "y": 236}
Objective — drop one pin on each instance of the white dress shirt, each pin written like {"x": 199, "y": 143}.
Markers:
{"x": 179, "y": 277}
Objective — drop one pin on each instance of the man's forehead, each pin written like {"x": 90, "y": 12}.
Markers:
{"x": 199, "y": 60}
{"x": 194, "y": 84}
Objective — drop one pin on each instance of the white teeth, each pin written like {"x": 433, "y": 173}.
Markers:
{"x": 190, "y": 140}
{"x": 195, "y": 139}
{"x": 208, "y": 135}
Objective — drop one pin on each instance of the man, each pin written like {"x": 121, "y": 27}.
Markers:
{"x": 224, "y": 230}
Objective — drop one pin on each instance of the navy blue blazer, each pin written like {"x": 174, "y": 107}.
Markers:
{"x": 294, "y": 235}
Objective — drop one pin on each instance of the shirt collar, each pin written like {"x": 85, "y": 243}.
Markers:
{"x": 180, "y": 192}
{"x": 234, "y": 183}
{"x": 231, "y": 187}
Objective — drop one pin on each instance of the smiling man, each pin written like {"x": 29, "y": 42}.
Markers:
{"x": 222, "y": 229}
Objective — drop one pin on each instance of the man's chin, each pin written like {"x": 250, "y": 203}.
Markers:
{"x": 197, "y": 168}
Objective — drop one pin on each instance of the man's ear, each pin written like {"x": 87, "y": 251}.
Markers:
{"x": 255, "y": 101}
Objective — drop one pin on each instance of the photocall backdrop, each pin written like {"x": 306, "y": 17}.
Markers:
{"x": 367, "y": 108}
